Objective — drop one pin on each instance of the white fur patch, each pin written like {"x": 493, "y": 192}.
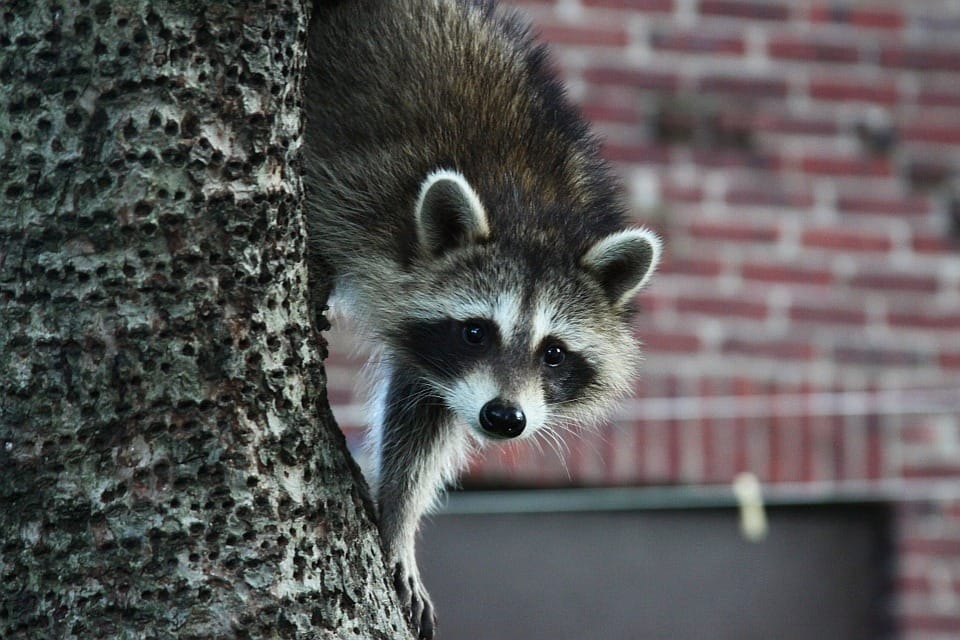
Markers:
{"x": 547, "y": 321}
{"x": 504, "y": 311}
{"x": 533, "y": 406}
{"x": 468, "y": 395}
{"x": 376, "y": 412}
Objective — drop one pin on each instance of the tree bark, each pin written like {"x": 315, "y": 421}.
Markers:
{"x": 168, "y": 463}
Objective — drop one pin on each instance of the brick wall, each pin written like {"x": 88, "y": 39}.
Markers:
{"x": 801, "y": 160}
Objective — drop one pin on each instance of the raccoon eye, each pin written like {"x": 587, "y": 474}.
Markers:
{"x": 474, "y": 333}
{"x": 554, "y": 356}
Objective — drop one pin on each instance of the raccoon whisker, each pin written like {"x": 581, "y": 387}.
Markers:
{"x": 550, "y": 439}
{"x": 557, "y": 445}
{"x": 536, "y": 443}
{"x": 552, "y": 432}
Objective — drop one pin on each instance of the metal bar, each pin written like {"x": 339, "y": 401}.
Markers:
{"x": 696, "y": 497}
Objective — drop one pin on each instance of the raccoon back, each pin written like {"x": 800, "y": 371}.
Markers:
{"x": 397, "y": 89}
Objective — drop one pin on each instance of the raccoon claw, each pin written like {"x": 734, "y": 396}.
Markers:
{"x": 415, "y": 598}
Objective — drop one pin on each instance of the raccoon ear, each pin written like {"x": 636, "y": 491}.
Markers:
{"x": 623, "y": 262}
{"x": 449, "y": 213}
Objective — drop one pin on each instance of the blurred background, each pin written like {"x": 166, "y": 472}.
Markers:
{"x": 802, "y": 161}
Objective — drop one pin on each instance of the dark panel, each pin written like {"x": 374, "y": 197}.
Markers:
{"x": 821, "y": 574}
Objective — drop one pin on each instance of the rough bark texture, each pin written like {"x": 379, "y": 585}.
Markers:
{"x": 168, "y": 467}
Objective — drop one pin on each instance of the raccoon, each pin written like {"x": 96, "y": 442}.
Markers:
{"x": 473, "y": 236}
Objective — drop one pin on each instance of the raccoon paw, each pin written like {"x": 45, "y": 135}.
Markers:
{"x": 415, "y": 599}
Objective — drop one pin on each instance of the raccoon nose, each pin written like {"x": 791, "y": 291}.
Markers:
{"x": 502, "y": 419}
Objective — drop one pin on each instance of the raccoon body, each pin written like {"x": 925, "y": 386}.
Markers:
{"x": 472, "y": 235}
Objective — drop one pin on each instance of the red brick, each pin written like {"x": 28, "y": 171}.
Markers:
{"x": 882, "y": 92}
{"x": 652, "y": 302}
{"x": 607, "y": 111}
{"x": 934, "y": 243}
{"x": 672, "y": 192}
{"x": 932, "y": 546}
{"x": 919, "y": 434}
{"x": 920, "y": 58}
{"x": 878, "y": 356}
{"x": 876, "y": 449}
{"x": 846, "y": 240}
{"x": 934, "y": 133}
{"x": 914, "y": 584}
{"x": 799, "y": 49}
{"x": 732, "y": 159}
{"x": 924, "y": 318}
{"x": 926, "y": 175}
{"x": 768, "y": 196}
{"x": 866, "y": 17}
{"x": 665, "y": 341}
{"x": 662, "y": 6}
{"x": 846, "y": 166}
{"x": 591, "y": 36}
{"x": 718, "y": 306}
{"x": 888, "y": 281}
{"x": 779, "y": 349}
{"x": 795, "y": 125}
{"x": 735, "y": 231}
{"x": 950, "y": 360}
{"x": 745, "y": 87}
{"x": 701, "y": 267}
{"x": 939, "y": 98}
{"x": 943, "y": 470}
{"x": 942, "y": 623}
{"x": 766, "y": 272}
{"x": 635, "y": 153}
{"x": 915, "y": 205}
{"x": 692, "y": 42}
{"x": 731, "y": 126}
{"x": 740, "y": 9}
{"x": 633, "y": 78}
{"x": 828, "y": 315}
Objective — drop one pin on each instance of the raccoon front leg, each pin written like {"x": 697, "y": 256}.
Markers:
{"x": 418, "y": 450}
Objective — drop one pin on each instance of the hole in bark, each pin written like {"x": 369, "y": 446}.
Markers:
{"x": 102, "y": 11}
{"x": 73, "y": 118}
{"x": 189, "y": 126}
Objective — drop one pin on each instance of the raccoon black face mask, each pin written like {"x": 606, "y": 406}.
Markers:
{"x": 475, "y": 237}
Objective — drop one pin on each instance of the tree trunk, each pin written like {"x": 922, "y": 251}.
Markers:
{"x": 168, "y": 463}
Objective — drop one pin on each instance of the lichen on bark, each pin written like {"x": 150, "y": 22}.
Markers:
{"x": 168, "y": 466}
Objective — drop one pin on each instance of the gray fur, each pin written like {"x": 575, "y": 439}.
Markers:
{"x": 455, "y": 193}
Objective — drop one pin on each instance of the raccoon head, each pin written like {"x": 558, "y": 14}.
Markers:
{"x": 510, "y": 336}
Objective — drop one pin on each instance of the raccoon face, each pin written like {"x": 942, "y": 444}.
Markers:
{"x": 491, "y": 370}
{"x": 511, "y": 340}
